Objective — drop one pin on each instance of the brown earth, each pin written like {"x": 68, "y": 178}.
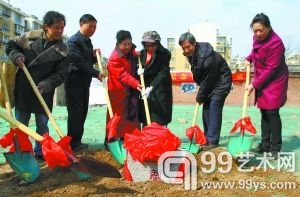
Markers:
{"x": 63, "y": 182}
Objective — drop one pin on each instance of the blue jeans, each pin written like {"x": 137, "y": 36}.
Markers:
{"x": 212, "y": 118}
{"x": 41, "y": 121}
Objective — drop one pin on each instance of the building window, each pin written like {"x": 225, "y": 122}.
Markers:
{"x": 19, "y": 29}
{"x": 5, "y": 25}
{"x": 171, "y": 40}
{"x": 18, "y": 19}
{"x": 221, "y": 39}
{"x": 220, "y": 49}
{"x": 6, "y": 11}
{"x": 5, "y": 38}
{"x": 36, "y": 25}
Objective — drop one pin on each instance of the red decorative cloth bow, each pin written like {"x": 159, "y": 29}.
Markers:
{"x": 244, "y": 124}
{"x": 198, "y": 133}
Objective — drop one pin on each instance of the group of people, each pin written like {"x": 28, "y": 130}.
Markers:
{"x": 51, "y": 62}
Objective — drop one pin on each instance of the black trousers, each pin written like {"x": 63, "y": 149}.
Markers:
{"x": 271, "y": 129}
{"x": 77, "y": 100}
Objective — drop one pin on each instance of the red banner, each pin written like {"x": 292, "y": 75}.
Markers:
{"x": 187, "y": 77}
{"x": 239, "y": 76}
{"x": 181, "y": 77}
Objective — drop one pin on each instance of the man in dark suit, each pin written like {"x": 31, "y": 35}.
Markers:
{"x": 81, "y": 71}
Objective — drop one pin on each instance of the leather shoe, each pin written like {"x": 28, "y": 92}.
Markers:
{"x": 39, "y": 157}
{"x": 209, "y": 147}
{"x": 260, "y": 149}
{"x": 79, "y": 146}
{"x": 275, "y": 155}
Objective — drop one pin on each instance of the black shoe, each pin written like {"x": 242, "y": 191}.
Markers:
{"x": 275, "y": 155}
{"x": 260, "y": 149}
{"x": 39, "y": 157}
{"x": 209, "y": 147}
{"x": 23, "y": 183}
{"x": 79, "y": 146}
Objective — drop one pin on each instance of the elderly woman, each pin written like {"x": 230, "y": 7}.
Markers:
{"x": 155, "y": 60}
{"x": 123, "y": 84}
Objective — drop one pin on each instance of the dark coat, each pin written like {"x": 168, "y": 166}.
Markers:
{"x": 47, "y": 62}
{"x": 81, "y": 68}
{"x": 210, "y": 72}
{"x": 270, "y": 72}
{"x": 157, "y": 74}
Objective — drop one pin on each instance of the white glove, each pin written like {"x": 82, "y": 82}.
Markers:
{"x": 140, "y": 71}
{"x": 146, "y": 92}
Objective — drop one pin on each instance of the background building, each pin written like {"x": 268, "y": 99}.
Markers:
{"x": 14, "y": 22}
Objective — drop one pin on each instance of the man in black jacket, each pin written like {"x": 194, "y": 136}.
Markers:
{"x": 46, "y": 58}
{"x": 212, "y": 74}
{"x": 81, "y": 71}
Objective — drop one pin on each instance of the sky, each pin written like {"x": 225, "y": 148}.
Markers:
{"x": 171, "y": 18}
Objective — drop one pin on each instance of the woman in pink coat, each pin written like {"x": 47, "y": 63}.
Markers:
{"x": 123, "y": 84}
{"x": 270, "y": 82}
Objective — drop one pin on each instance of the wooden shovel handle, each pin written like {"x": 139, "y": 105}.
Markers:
{"x": 104, "y": 83}
{"x": 42, "y": 101}
{"x": 4, "y": 86}
{"x": 195, "y": 114}
{"x": 144, "y": 99}
{"x": 246, "y": 93}
{"x": 21, "y": 126}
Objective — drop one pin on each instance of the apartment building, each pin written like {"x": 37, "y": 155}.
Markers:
{"x": 14, "y": 22}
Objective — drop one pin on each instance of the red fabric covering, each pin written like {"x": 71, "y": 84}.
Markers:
{"x": 64, "y": 143}
{"x": 198, "y": 133}
{"x": 23, "y": 140}
{"x": 127, "y": 174}
{"x": 54, "y": 155}
{"x": 7, "y": 139}
{"x": 149, "y": 144}
{"x": 112, "y": 125}
{"x": 244, "y": 124}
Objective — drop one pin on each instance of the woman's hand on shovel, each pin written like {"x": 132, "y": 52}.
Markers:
{"x": 249, "y": 88}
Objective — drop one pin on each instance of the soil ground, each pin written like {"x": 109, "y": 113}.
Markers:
{"x": 63, "y": 182}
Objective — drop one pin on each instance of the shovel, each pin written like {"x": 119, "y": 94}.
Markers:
{"x": 42, "y": 101}
{"x": 116, "y": 147}
{"x": 191, "y": 132}
{"x": 241, "y": 142}
{"x": 65, "y": 140}
{"x": 22, "y": 162}
{"x": 145, "y": 100}
{"x": 55, "y": 155}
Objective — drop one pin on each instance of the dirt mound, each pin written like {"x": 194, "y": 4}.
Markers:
{"x": 63, "y": 182}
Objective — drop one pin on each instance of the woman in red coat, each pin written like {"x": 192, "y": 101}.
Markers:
{"x": 270, "y": 82}
{"x": 123, "y": 84}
